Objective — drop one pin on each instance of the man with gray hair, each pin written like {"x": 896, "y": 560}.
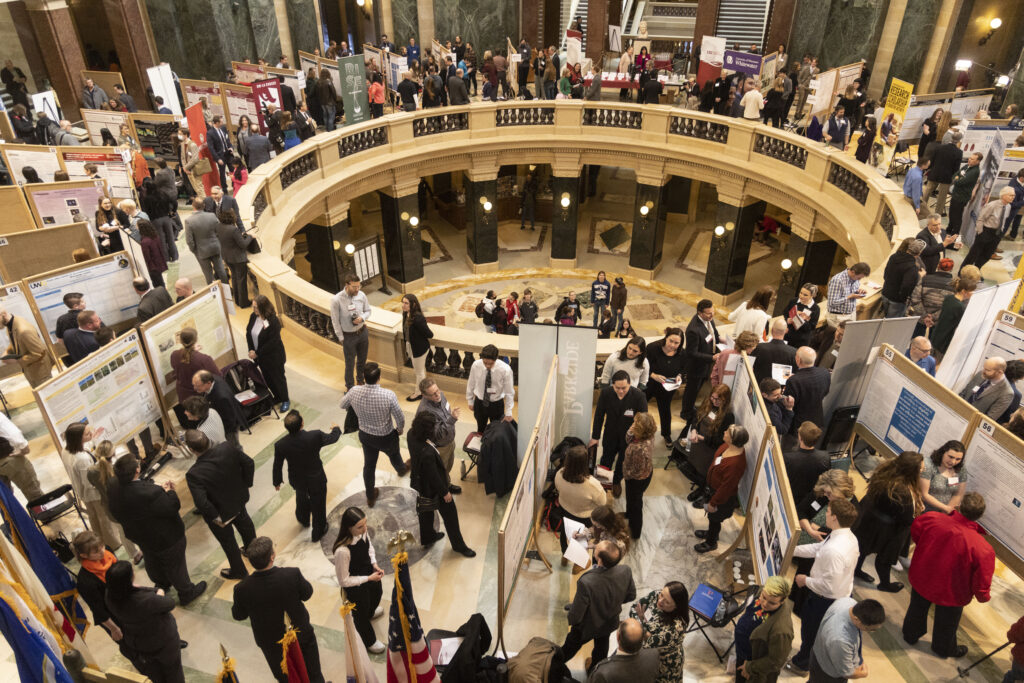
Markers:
{"x": 902, "y": 272}
{"x": 946, "y": 158}
{"x": 457, "y": 91}
{"x": 805, "y": 392}
{"x": 65, "y": 138}
{"x": 934, "y": 242}
{"x": 990, "y": 221}
{"x": 631, "y": 662}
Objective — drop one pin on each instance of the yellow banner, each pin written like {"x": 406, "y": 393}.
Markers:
{"x": 897, "y": 102}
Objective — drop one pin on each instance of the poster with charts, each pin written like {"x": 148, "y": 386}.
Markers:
{"x": 997, "y": 471}
{"x": 545, "y": 432}
{"x": 110, "y": 165}
{"x": 105, "y": 282}
{"x": 1007, "y": 337}
{"x": 772, "y": 515}
{"x": 45, "y": 160}
{"x": 240, "y": 102}
{"x": 14, "y": 301}
{"x": 746, "y": 406}
{"x": 205, "y": 313}
{"x": 198, "y": 92}
{"x": 66, "y": 202}
{"x": 111, "y": 388}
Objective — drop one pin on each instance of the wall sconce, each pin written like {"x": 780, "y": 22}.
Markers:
{"x": 413, "y": 221}
{"x": 350, "y": 248}
{"x": 786, "y": 264}
{"x": 719, "y": 231}
{"x": 564, "y": 202}
{"x": 1002, "y": 81}
{"x": 963, "y": 65}
{"x": 486, "y": 205}
{"x": 644, "y": 211}
{"x": 993, "y": 26}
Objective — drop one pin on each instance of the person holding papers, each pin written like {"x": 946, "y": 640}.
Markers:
{"x": 723, "y": 482}
{"x": 579, "y": 492}
{"x": 773, "y": 352}
{"x": 667, "y": 361}
{"x": 801, "y": 316}
{"x": 708, "y": 434}
{"x": 702, "y": 342}
{"x": 725, "y": 366}
{"x": 806, "y": 389}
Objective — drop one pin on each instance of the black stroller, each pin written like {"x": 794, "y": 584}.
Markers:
{"x": 249, "y": 387}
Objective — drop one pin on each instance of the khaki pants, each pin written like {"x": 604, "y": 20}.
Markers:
{"x": 419, "y": 365}
{"x": 940, "y": 201}
{"x": 109, "y": 531}
{"x": 447, "y": 455}
{"x": 19, "y": 470}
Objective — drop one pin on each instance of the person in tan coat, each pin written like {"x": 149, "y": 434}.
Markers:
{"x": 27, "y": 349}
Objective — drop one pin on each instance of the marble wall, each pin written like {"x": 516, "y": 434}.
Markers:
{"x": 405, "y": 20}
{"x": 302, "y": 24}
{"x": 485, "y": 25}
{"x": 838, "y": 32}
{"x": 918, "y": 22}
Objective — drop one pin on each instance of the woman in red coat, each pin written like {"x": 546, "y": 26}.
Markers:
{"x": 723, "y": 482}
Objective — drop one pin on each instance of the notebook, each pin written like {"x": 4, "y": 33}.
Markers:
{"x": 705, "y": 601}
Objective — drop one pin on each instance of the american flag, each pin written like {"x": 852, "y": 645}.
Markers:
{"x": 408, "y": 655}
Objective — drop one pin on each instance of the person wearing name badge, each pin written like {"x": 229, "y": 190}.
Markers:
{"x": 920, "y": 351}
{"x": 728, "y": 360}
{"x": 350, "y": 309}
{"x": 811, "y": 512}
{"x": 490, "y": 390}
{"x": 943, "y": 480}
{"x": 632, "y": 361}
{"x": 989, "y": 391}
{"x": 702, "y": 351}
{"x": 806, "y": 389}
{"x": 434, "y": 401}
{"x": 723, "y": 484}
{"x": 805, "y": 463}
{"x": 708, "y": 433}
{"x": 666, "y": 359}
{"x": 637, "y": 469}
{"x": 779, "y": 413}
{"x": 616, "y": 407}
{"x": 801, "y": 316}
{"x": 579, "y": 492}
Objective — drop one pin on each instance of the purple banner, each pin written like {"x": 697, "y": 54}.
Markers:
{"x": 744, "y": 62}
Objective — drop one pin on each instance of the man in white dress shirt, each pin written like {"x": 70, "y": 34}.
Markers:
{"x": 831, "y": 576}
{"x": 15, "y": 467}
{"x": 489, "y": 388}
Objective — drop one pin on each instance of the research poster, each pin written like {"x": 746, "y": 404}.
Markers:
{"x": 110, "y": 166}
{"x": 824, "y": 93}
{"x": 266, "y": 92}
{"x": 106, "y": 284}
{"x": 162, "y": 80}
{"x": 247, "y": 73}
{"x": 515, "y": 527}
{"x": 545, "y": 433}
{"x": 198, "y": 92}
{"x": 111, "y": 389}
{"x": 1007, "y": 338}
{"x": 538, "y": 343}
{"x": 967, "y": 106}
{"x": 61, "y": 206}
{"x": 746, "y": 406}
{"x": 771, "y": 526}
{"x": 1011, "y": 164}
{"x": 97, "y": 119}
{"x": 44, "y": 160}
{"x": 240, "y": 102}
{"x": 989, "y": 172}
{"x": 14, "y": 301}
{"x": 902, "y": 414}
{"x": 205, "y": 314}
{"x": 965, "y": 353}
{"x": 998, "y": 471}
{"x": 897, "y": 102}
{"x": 978, "y": 137}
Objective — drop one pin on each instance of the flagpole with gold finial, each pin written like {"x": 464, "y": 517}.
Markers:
{"x": 397, "y": 545}
{"x": 227, "y": 672}
{"x": 350, "y": 642}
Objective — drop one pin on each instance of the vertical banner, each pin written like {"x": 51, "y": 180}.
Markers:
{"x": 897, "y": 102}
{"x": 267, "y": 91}
{"x": 577, "y": 356}
{"x": 197, "y": 133}
{"x": 712, "y": 55}
{"x": 982, "y": 191}
{"x": 573, "y": 48}
{"x": 538, "y": 343}
{"x": 353, "y": 89}
{"x": 162, "y": 80}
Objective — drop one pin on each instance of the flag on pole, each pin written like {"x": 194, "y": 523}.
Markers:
{"x": 293, "y": 664}
{"x": 408, "y": 655}
{"x": 227, "y": 671}
{"x": 357, "y": 663}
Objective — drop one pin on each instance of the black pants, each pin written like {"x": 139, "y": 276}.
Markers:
{"x": 167, "y": 567}
{"x": 310, "y": 655}
{"x": 613, "y": 451}
{"x": 164, "y": 665}
{"x": 486, "y": 414}
{"x": 664, "y": 400}
{"x": 225, "y": 535}
{"x": 574, "y": 640}
{"x": 562, "y": 539}
{"x": 366, "y": 598}
{"x": 818, "y": 675}
{"x": 947, "y": 620}
{"x": 372, "y": 446}
{"x": 311, "y": 501}
{"x": 450, "y": 517}
{"x": 811, "y": 614}
{"x": 355, "y": 346}
{"x": 635, "y": 504}
{"x": 956, "y": 216}
{"x": 984, "y": 247}
{"x": 273, "y": 372}
{"x": 716, "y": 518}
{"x": 156, "y": 277}
{"x": 240, "y": 284}
{"x": 146, "y": 437}
{"x": 689, "y": 409}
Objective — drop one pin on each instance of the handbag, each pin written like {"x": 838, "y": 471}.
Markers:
{"x": 253, "y": 246}
{"x": 426, "y": 504}
{"x": 202, "y": 167}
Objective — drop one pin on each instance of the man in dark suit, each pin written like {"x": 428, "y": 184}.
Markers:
{"x": 218, "y": 202}
{"x": 81, "y": 341}
{"x": 989, "y": 391}
{"x": 258, "y": 147}
{"x": 301, "y": 449}
{"x": 233, "y": 251}
{"x": 219, "y": 481}
{"x": 287, "y": 96}
{"x": 152, "y": 300}
{"x": 457, "y": 93}
{"x": 75, "y": 302}
{"x": 805, "y": 463}
{"x": 127, "y": 100}
{"x": 182, "y": 289}
{"x": 773, "y": 351}
{"x": 222, "y": 399}
{"x": 805, "y": 392}
{"x": 600, "y": 593}
{"x": 220, "y": 147}
{"x": 632, "y": 661}
{"x": 616, "y": 407}
{"x": 701, "y": 353}
{"x": 150, "y": 517}
{"x": 934, "y": 242}
{"x": 201, "y": 238}
{"x": 264, "y": 597}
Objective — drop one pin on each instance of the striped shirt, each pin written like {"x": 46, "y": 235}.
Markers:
{"x": 840, "y": 287}
{"x": 375, "y": 407}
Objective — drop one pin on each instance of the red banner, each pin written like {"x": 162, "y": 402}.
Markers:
{"x": 197, "y": 132}
{"x": 267, "y": 91}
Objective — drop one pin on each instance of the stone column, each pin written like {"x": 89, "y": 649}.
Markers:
{"x": 58, "y": 42}
{"x": 597, "y": 28}
{"x": 135, "y": 53}
{"x": 648, "y": 237}
{"x": 706, "y": 21}
{"x": 326, "y": 238}
{"x": 403, "y": 245}
{"x": 808, "y": 258}
{"x": 529, "y": 24}
{"x": 886, "y": 47}
{"x": 780, "y": 24}
{"x": 730, "y": 243}
{"x": 284, "y": 31}
{"x": 425, "y": 26}
{"x": 564, "y": 219}
{"x": 387, "y": 22}
{"x": 939, "y": 45}
{"x": 33, "y": 66}
{"x": 481, "y": 221}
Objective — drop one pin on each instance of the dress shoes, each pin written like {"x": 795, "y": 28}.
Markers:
{"x": 371, "y": 498}
{"x": 452, "y": 488}
{"x": 198, "y": 590}
{"x": 231, "y": 576}
{"x": 466, "y": 552}
{"x": 705, "y": 547}
{"x": 427, "y": 542}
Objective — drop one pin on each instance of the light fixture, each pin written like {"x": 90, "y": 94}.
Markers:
{"x": 337, "y": 245}
{"x": 644, "y": 210}
{"x": 719, "y": 231}
{"x": 488, "y": 206}
{"x": 565, "y": 200}
{"x": 993, "y": 26}
{"x": 414, "y": 221}
{"x": 963, "y": 65}
{"x": 360, "y": 2}
{"x": 786, "y": 264}
{"x": 1003, "y": 81}
{"x": 995, "y": 23}
{"x": 350, "y": 248}
{"x": 730, "y": 226}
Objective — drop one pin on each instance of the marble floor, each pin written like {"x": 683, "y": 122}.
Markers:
{"x": 448, "y": 587}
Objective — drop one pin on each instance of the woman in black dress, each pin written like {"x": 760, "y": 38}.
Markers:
{"x": 263, "y": 335}
{"x": 713, "y": 419}
{"x": 866, "y": 139}
{"x": 109, "y": 222}
{"x": 802, "y": 317}
{"x": 145, "y": 618}
{"x": 430, "y": 480}
{"x": 417, "y": 339}
{"x": 667, "y": 359}
{"x": 887, "y": 511}
{"x": 359, "y": 575}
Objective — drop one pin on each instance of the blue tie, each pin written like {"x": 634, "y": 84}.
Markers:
{"x": 979, "y": 391}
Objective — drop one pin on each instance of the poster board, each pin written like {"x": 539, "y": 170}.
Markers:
{"x": 1011, "y": 163}
{"x": 110, "y": 165}
{"x": 397, "y": 65}
{"x": 909, "y": 409}
{"x": 309, "y": 61}
{"x": 539, "y": 343}
{"x": 354, "y": 95}
{"x": 197, "y": 92}
{"x": 373, "y": 58}
{"x": 14, "y": 301}
{"x": 23, "y": 254}
{"x": 105, "y": 282}
{"x": 156, "y": 135}
{"x": 986, "y": 179}
{"x": 1007, "y": 337}
{"x": 824, "y": 93}
{"x": 45, "y": 160}
{"x": 965, "y": 355}
{"x": 749, "y": 409}
{"x": 545, "y": 431}
{"x": 111, "y": 388}
{"x": 516, "y": 528}
{"x": 239, "y": 101}
{"x": 897, "y": 102}
{"x": 106, "y": 80}
{"x": 266, "y": 92}
{"x": 292, "y": 79}
{"x": 97, "y": 119}
{"x": 769, "y": 67}
{"x": 967, "y": 104}
{"x": 14, "y": 209}
{"x": 246, "y": 73}
{"x": 845, "y": 76}
{"x": 162, "y": 81}
{"x": 773, "y": 521}
{"x": 70, "y": 201}
{"x": 979, "y": 134}
{"x": 331, "y": 66}
{"x": 997, "y": 471}
{"x": 205, "y": 312}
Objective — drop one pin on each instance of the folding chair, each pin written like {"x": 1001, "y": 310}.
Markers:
{"x": 471, "y": 447}
{"x": 713, "y": 608}
{"x": 244, "y": 375}
{"x": 54, "y": 505}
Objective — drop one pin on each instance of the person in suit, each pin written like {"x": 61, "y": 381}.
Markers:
{"x": 631, "y": 661}
{"x": 219, "y": 145}
{"x": 701, "y": 351}
{"x": 219, "y": 481}
{"x": 219, "y": 202}
{"x": 774, "y": 351}
{"x": 27, "y": 349}
{"x": 165, "y": 181}
{"x": 989, "y": 391}
{"x": 150, "y": 517}
{"x": 234, "y": 252}
{"x": 152, "y": 300}
{"x": 300, "y": 448}
{"x": 263, "y": 336}
{"x": 81, "y": 341}
{"x": 201, "y": 238}
{"x": 600, "y": 594}
{"x": 457, "y": 92}
{"x": 258, "y": 147}
{"x": 265, "y": 597}
{"x": 617, "y": 405}
{"x": 805, "y": 463}
{"x": 222, "y": 399}
{"x": 75, "y": 301}
{"x": 805, "y": 391}
{"x": 150, "y": 629}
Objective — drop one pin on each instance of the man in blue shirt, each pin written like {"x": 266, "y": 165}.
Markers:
{"x": 837, "y": 652}
{"x": 600, "y": 293}
{"x": 914, "y": 183}
{"x": 413, "y": 51}
{"x": 920, "y": 352}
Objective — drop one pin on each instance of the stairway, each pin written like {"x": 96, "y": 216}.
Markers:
{"x": 742, "y": 22}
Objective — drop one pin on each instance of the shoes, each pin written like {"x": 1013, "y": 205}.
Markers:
{"x": 668, "y": 442}
{"x": 701, "y": 533}
{"x": 405, "y": 467}
{"x": 286, "y": 406}
{"x": 413, "y": 399}
{"x": 706, "y": 546}
{"x": 466, "y": 552}
{"x": 960, "y": 651}
{"x": 567, "y": 606}
{"x": 137, "y": 560}
{"x": 452, "y": 488}
{"x": 231, "y": 576}
{"x": 565, "y": 562}
{"x": 863, "y": 577}
{"x": 695, "y": 495}
{"x": 891, "y": 587}
{"x": 616, "y": 490}
{"x": 198, "y": 590}
{"x": 997, "y": 257}
{"x": 910, "y": 641}
{"x": 378, "y": 613}
{"x": 431, "y": 541}
{"x": 377, "y": 648}
{"x": 182, "y": 644}
{"x": 999, "y": 251}
{"x": 699, "y": 503}
{"x": 371, "y": 498}
{"x": 522, "y": 227}
{"x": 790, "y": 666}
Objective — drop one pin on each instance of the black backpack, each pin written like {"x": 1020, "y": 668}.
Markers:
{"x": 481, "y": 312}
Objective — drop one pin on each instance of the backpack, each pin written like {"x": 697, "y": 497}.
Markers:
{"x": 481, "y": 312}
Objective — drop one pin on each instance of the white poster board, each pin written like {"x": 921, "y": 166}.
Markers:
{"x": 111, "y": 388}
{"x": 46, "y": 101}
{"x": 968, "y": 106}
{"x": 577, "y": 359}
{"x": 965, "y": 355}
{"x": 824, "y": 94}
{"x": 162, "y": 80}
{"x": 196, "y": 92}
{"x": 903, "y": 414}
{"x": 205, "y": 313}
{"x": 746, "y": 407}
{"x": 110, "y": 165}
{"x": 772, "y": 517}
{"x": 1007, "y": 337}
{"x": 712, "y": 50}
{"x": 997, "y": 472}
{"x": 538, "y": 343}
{"x": 44, "y": 160}
{"x": 105, "y": 282}
{"x": 98, "y": 119}
{"x": 545, "y": 433}
{"x": 1011, "y": 164}
{"x": 14, "y": 301}
{"x": 978, "y": 137}
{"x": 516, "y": 525}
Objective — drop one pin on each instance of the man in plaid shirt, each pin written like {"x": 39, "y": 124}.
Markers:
{"x": 844, "y": 291}
{"x": 376, "y": 408}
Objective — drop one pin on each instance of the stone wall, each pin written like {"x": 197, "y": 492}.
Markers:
{"x": 484, "y": 24}
{"x": 405, "y": 18}
{"x": 838, "y": 32}
{"x": 918, "y": 24}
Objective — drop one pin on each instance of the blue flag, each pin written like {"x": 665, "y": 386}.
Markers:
{"x": 37, "y": 662}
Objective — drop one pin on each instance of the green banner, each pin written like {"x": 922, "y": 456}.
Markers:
{"x": 353, "y": 89}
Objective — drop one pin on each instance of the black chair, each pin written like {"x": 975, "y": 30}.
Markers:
{"x": 719, "y": 611}
{"x": 54, "y": 505}
{"x": 242, "y": 376}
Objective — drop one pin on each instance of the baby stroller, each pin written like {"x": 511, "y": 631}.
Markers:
{"x": 249, "y": 387}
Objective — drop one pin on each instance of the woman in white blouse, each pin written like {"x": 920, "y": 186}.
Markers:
{"x": 633, "y": 360}
{"x": 359, "y": 576}
{"x": 77, "y": 461}
{"x": 753, "y": 315}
